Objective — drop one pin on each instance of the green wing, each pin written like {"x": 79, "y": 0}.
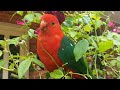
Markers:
{"x": 66, "y": 54}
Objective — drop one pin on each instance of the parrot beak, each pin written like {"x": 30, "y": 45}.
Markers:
{"x": 43, "y": 25}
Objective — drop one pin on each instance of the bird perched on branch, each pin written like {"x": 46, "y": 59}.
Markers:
{"x": 55, "y": 49}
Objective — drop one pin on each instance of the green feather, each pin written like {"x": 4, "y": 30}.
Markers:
{"x": 66, "y": 54}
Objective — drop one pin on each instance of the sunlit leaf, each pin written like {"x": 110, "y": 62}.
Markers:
{"x": 57, "y": 74}
{"x": 67, "y": 77}
{"x": 87, "y": 28}
{"x": 2, "y": 63}
{"x": 20, "y": 13}
{"x": 103, "y": 46}
{"x": 11, "y": 66}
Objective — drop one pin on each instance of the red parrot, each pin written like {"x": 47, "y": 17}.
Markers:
{"x": 54, "y": 48}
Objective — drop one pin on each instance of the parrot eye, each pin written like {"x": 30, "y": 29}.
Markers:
{"x": 53, "y": 23}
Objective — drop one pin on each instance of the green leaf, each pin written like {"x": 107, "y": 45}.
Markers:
{"x": 118, "y": 58}
{"x": 31, "y": 33}
{"x": 98, "y": 23}
{"x": 37, "y": 18}
{"x": 118, "y": 64}
{"x": 94, "y": 72}
{"x": 1, "y": 53}
{"x": 38, "y": 15}
{"x": 25, "y": 37}
{"x": 47, "y": 75}
{"x": 2, "y": 63}
{"x": 68, "y": 22}
{"x": 35, "y": 60}
{"x": 23, "y": 67}
{"x": 67, "y": 77}
{"x": 72, "y": 33}
{"x": 20, "y": 13}
{"x": 86, "y": 19}
{"x": 94, "y": 43}
{"x": 11, "y": 66}
{"x": 14, "y": 41}
{"x": 57, "y": 74}
{"x": 87, "y": 28}
{"x": 107, "y": 20}
{"x": 101, "y": 72}
{"x": 29, "y": 17}
{"x": 80, "y": 48}
{"x": 94, "y": 16}
{"x": 113, "y": 62}
{"x": 105, "y": 45}
{"x": 2, "y": 43}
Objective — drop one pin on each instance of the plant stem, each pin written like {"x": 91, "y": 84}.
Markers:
{"x": 95, "y": 65}
{"x": 13, "y": 16}
{"x": 36, "y": 70}
{"x": 84, "y": 75}
{"x": 113, "y": 70}
{"x": 7, "y": 69}
{"x": 65, "y": 75}
{"x": 72, "y": 38}
{"x": 12, "y": 58}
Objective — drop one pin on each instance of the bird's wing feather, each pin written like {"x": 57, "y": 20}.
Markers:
{"x": 66, "y": 54}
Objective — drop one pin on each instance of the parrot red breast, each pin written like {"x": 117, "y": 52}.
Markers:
{"x": 55, "y": 49}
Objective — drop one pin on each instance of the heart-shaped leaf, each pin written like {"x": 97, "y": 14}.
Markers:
{"x": 80, "y": 48}
{"x": 23, "y": 67}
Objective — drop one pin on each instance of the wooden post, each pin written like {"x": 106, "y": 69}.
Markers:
{"x": 6, "y": 57}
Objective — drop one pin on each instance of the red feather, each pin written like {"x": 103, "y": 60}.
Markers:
{"x": 49, "y": 41}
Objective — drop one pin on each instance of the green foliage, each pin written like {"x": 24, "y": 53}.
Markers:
{"x": 57, "y": 74}
{"x": 20, "y": 13}
{"x": 1, "y": 53}
{"x": 1, "y": 63}
{"x": 14, "y": 41}
{"x": 80, "y": 49}
{"x": 29, "y": 17}
{"x": 113, "y": 62}
{"x": 38, "y": 62}
{"x": 103, "y": 46}
{"x": 100, "y": 48}
{"x": 23, "y": 67}
{"x": 32, "y": 17}
{"x": 31, "y": 33}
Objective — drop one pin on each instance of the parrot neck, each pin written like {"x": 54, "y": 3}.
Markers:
{"x": 51, "y": 33}
{"x": 51, "y": 42}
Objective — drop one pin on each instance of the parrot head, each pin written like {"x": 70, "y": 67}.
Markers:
{"x": 58, "y": 14}
{"x": 48, "y": 22}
